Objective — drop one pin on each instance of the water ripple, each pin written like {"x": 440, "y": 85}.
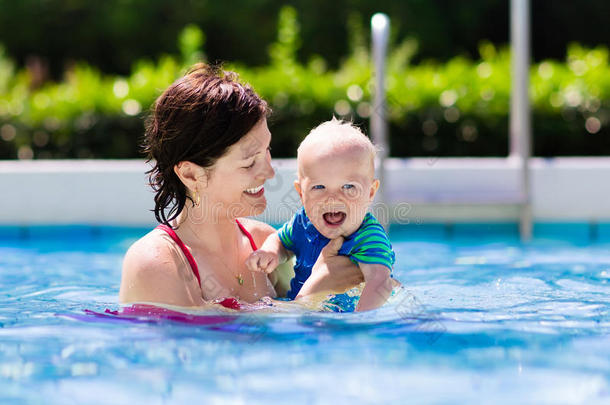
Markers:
{"x": 489, "y": 323}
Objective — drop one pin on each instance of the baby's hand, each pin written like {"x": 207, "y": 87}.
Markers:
{"x": 262, "y": 260}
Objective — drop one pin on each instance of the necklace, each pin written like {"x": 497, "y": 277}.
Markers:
{"x": 238, "y": 277}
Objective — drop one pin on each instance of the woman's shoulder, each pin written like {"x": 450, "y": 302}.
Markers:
{"x": 148, "y": 256}
{"x": 259, "y": 230}
{"x": 150, "y": 248}
{"x": 154, "y": 271}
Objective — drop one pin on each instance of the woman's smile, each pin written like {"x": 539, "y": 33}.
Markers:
{"x": 256, "y": 191}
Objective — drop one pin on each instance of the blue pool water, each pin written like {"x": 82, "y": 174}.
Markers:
{"x": 481, "y": 320}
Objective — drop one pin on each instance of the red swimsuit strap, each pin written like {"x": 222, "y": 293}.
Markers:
{"x": 187, "y": 253}
{"x": 182, "y": 247}
{"x": 248, "y": 235}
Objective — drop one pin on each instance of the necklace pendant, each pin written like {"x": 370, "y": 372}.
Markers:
{"x": 240, "y": 279}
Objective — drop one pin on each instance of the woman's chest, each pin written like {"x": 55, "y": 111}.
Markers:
{"x": 226, "y": 275}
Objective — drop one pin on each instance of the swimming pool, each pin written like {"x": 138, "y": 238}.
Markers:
{"x": 482, "y": 320}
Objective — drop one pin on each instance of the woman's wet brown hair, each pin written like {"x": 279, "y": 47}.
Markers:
{"x": 196, "y": 119}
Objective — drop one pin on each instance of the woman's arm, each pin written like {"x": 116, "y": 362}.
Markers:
{"x": 153, "y": 271}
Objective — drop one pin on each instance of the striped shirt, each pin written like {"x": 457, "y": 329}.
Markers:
{"x": 369, "y": 244}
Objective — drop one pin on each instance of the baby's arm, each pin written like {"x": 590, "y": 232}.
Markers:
{"x": 377, "y": 288}
{"x": 269, "y": 256}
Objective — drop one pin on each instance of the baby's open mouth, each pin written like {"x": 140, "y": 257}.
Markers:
{"x": 334, "y": 218}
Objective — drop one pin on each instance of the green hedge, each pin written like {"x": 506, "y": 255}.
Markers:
{"x": 459, "y": 108}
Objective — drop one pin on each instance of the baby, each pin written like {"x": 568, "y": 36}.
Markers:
{"x": 336, "y": 183}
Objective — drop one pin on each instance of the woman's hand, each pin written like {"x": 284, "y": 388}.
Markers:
{"x": 332, "y": 272}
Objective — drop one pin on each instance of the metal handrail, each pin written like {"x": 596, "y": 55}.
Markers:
{"x": 380, "y": 28}
{"x": 520, "y": 111}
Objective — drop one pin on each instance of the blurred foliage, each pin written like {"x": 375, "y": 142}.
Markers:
{"x": 457, "y": 108}
{"x": 112, "y": 34}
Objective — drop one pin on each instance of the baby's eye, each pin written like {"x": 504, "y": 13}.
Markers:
{"x": 348, "y": 186}
{"x": 318, "y": 187}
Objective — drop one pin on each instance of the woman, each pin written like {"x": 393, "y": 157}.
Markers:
{"x": 209, "y": 140}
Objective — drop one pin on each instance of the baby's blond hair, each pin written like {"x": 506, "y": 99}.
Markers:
{"x": 339, "y": 133}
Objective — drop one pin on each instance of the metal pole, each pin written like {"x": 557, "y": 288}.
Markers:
{"x": 380, "y": 27}
{"x": 520, "y": 116}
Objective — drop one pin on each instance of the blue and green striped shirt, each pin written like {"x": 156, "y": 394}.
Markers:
{"x": 369, "y": 244}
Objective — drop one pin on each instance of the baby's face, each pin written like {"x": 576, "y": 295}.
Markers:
{"x": 336, "y": 188}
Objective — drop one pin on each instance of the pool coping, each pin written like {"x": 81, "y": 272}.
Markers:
{"x": 419, "y": 190}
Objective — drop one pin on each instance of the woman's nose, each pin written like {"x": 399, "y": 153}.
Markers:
{"x": 268, "y": 169}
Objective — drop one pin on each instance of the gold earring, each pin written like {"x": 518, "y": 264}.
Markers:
{"x": 197, "y": 200}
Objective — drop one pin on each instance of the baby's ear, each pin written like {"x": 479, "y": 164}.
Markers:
{"x": 374, "y": 188}
{"x": 297, "y": 187}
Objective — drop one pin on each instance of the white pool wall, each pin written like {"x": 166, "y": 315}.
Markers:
{"x": 116, "y": 192}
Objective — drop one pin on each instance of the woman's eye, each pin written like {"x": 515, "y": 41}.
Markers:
{"x": 250, "y": 166}
{"x": 317, "y": 187}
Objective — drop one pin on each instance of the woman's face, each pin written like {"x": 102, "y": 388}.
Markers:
{"x": 234, "y": 187}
